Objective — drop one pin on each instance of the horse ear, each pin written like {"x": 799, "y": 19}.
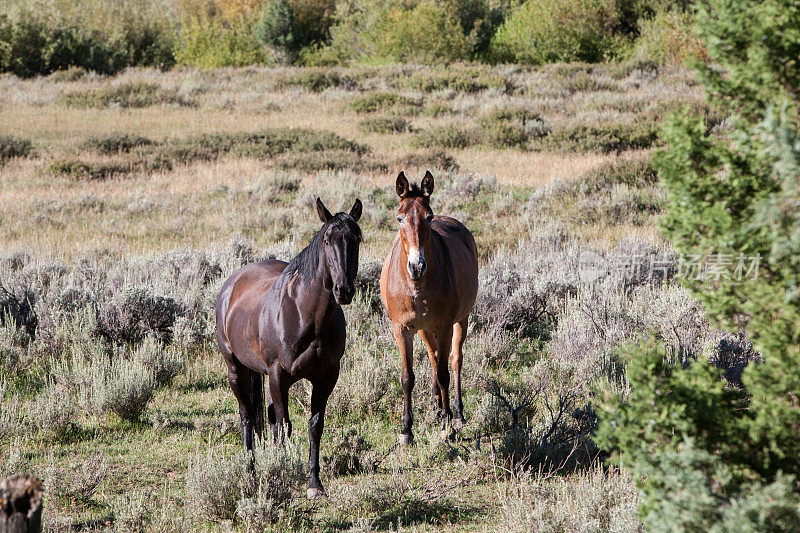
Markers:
{"x": 427, "y": 183}
{"x": 322, "y": 211}
{"x": 355, "y": 211}
{"x": 402, "y": 184}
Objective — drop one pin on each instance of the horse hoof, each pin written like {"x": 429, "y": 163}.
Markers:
{"x": 315, "y": 493}
{"x": 405, "y": 440}
{"x": 457, "y": 423}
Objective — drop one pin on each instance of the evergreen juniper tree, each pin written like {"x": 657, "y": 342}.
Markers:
{"x": 708, "y": 457}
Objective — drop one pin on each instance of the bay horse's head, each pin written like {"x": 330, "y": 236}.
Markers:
{"x": 340, "y": 237}
{"x": 415, "y": 217}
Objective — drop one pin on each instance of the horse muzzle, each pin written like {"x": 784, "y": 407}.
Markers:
{"x": 417, "y": 269}
{"x": 343, "y": 294}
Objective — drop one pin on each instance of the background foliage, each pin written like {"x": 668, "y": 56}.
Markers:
{"x": 712, "y": 457}
{"x": 42, "y": 36}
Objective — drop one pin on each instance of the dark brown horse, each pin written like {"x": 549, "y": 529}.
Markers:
{"x": 285, "y": 321}
{"x": 428, "y": 284}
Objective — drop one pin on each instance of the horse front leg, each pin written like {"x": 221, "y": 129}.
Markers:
{"x": 404, "y": 337}
{"x": 432, "y": 345}
{"x": 316, "y": 423}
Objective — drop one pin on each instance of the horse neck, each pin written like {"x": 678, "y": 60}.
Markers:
{"x": 314, "y": 300}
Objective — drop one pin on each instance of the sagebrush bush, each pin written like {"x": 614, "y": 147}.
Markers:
{"x": 594, "y": 500}
{"x": 319, "y": 79}
{"x": 540, "y": 31}
{"x": 77, "y": 485}
{"x": 351, "y": 455}
{"x": 127, "y": 389}
{"x": 379, "y": 101}
{"x": 11, "y": 147}
{"x": 126, "y": 94}
{"x": 446, "y": 136}
{"x": 385, "y": 125}
{"x": 52, "y": 416}
{"x": 511, "y": 127}
{"x": 253, "y": 488}
{"x": 162, "y": 363}
{"x": 604, "y": 138}
{"x": 134, "y": 313}
{"x": 115, "y": 143}
{"x": 428, "y": 159}
{"x": 462, "y": 80}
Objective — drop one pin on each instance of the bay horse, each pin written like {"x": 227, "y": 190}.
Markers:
{"x": 429, "y": 282}
{"x": 285, "y": 321}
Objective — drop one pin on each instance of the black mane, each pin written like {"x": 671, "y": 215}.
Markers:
{"x": 414, "y": 191}
{"x": 307, "y": 261}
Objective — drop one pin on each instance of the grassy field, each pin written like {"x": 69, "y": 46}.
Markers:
{"x": 126, "y": 202}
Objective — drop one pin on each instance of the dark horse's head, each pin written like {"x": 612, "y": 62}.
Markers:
{"x": 338, "y": 240}
{"x": 415, "y": 217}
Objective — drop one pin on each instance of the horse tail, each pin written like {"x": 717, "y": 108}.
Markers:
{"x": 257, "y": 398}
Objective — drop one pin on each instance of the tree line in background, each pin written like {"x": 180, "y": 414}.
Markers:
{"x": 41, "y": 36}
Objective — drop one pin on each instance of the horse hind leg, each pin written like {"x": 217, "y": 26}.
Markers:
{"x": 279, "y": 384}
{"x": 247, "y": 386}
{"x": 456, "y": 358}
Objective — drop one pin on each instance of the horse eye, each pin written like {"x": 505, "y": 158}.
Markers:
{"x": 428, "y": 218}
{"x": 400, "y": 219}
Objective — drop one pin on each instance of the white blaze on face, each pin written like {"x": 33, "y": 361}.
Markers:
{"x": 415, "y": 256}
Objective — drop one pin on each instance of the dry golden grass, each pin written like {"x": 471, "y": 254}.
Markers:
{"x": 200, "y": 203}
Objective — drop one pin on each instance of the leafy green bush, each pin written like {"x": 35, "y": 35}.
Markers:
{"x": 668, "y": 38}
{"x": 543, "y": 31}
{"x": 425, "y": 34}
{"x": 425, "y": 31}
{"x": 384, "y": 125}
{"x": 127, "y": 94}
{"x": 35, "y": 42}
{"x": 208, "y": 42}
{"x": 291, "y": 25}
{"x": 706, "y": 456}
{"x": 11, "y": 147}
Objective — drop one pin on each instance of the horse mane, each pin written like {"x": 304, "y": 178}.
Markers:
{"x": 307, "y": 261}
{"x": 414, "y": 191}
